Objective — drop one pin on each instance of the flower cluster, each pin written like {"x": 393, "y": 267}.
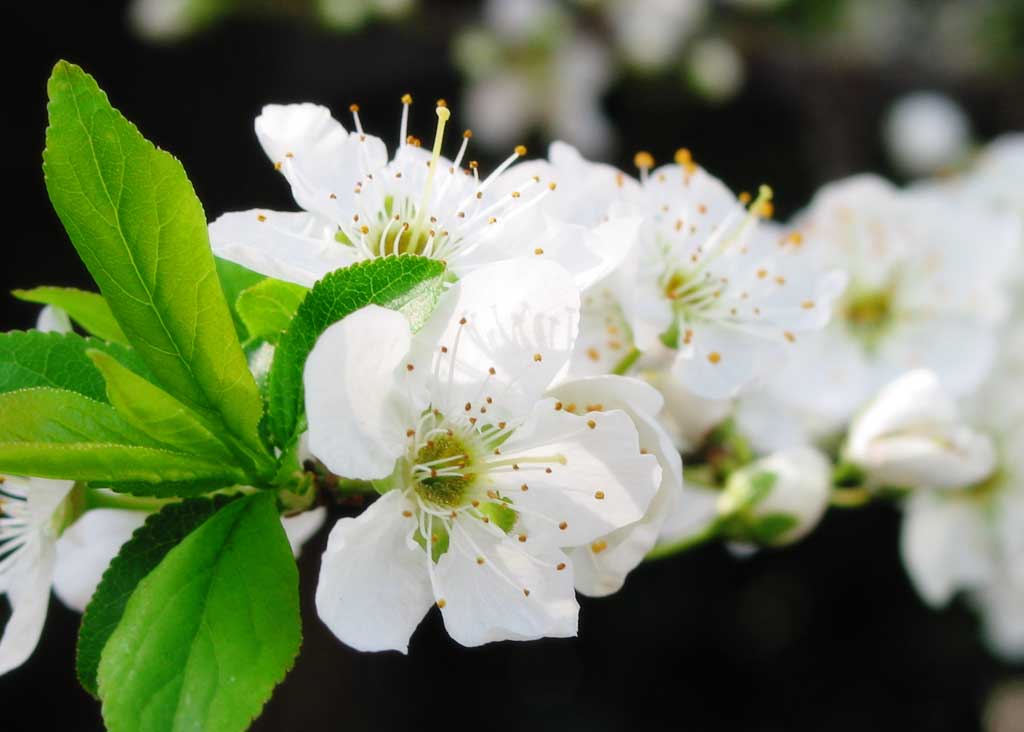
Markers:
{"x": 538, "y": 378}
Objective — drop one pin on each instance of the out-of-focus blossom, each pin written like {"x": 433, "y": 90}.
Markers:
{"x": 928, "y": 289}
{"x": 778, "y": 499}
{"x": 650, "y": 33}
{"x": 926, "y": 132}
{"x": 912, "y": 436}
{"x": 715, "y": 69}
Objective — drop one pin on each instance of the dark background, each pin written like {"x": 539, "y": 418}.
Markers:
{"x": 828, "y": 635}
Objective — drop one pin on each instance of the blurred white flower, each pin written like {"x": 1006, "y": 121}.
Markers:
{"x": 780, "y": 498}
{"x": 650, "y": 33}
{"x": 926, "y": 132}
{"x": 994, "y": 178}
{"x": 912, "y": 436}
{"x": 715, "y": 68}
{"x": 929, "y": 281}
{"x": 555, "y": 87}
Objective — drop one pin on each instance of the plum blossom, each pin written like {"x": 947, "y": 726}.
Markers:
{"x": 357, "y": 204}
{"x": 601, "y": 567}
{"x": 780, "y": 498}
{"x": 928, "y": 289}
{"x": 912, "y": 436}
{"x": 486, "y": 480}
{"x": 32, "y": 513}
{"x": 730, "y": 299}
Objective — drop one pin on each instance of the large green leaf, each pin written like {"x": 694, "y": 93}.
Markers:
{"x": 136, "y": 559}
{"x": 406, "y": 283}
{"x": 267, "y": 308}
{"x": 206, "y": 635}
{"x": 53, "y": 433}
{"x": 88, "y": 309}
{"x": 30, "y": 359}
{"x": 136, "y": 222}
{"x": 156, "y": 413}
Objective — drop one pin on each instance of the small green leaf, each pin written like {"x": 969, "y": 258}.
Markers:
{"x": 156, "y": 413}
{"x": 136, "y": 222}
{"x": 409, "y": 284}
{"x": 233, "y": 279}
{"x": 768, "y": 529}
{"x": 52, "y": 433}
{"x": 136, "y": 559}
{"x": 88, "y": 309}
{"x": 30, "y": 359}
{"x": 267, "y": 308}
{"x": 206, "y": 635}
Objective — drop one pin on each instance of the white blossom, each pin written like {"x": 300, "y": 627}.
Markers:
{"x": 785, "y": 507}
{"x": 730, "y": 299}
{"x": 600, "y": 568}
{"x": 912, "y": 436}
{"x": 488, "y": 480}
{"x": 357, "y": 204}
{"x": 32, "y": 513}
{"x": 926, "y": 132}
{"x": 928, "y": 281}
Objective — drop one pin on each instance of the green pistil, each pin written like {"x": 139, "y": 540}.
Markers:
{"x": 868, "y": 314}
{"x": 440, "y": 489}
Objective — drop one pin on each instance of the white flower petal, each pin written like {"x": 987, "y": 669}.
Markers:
{"x": 316, "y": 154}
{"x": 512, "y": 594}
{"x": 944, "y": 546}
{"x": 504, "y": 332}
{"x": 373, "y": 588}
{"x": 302, "y": 527}
{"x": 85, "y": 550}
{"x": 720, "y": 361}
{"x": 354, "y": 398}
{"x": 28, "y": 592}
{"x": 294, "y": 247}
{"x": 604, "y": 572}
{"x": 53, "y": 319}
{"x": 602, "y": 483}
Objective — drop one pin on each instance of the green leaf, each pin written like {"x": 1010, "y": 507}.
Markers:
{"x": 136, "y": 222}
{"x": 156, "y": 413}
{"x": 406, "y": 283}
{"x": 206, "y": 635}
{"x": 30, "y": 359}
{"x": 267, "y": 308}
{"x": 88, "y": 309}
{"x": 52, "y": 433}
{"x": 233, "y": 279}
{"x": 768, "y": 529}
{"x": 136, "y": 559}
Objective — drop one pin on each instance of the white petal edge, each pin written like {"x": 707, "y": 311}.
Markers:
{"x": 374, "y": 589}
{"x": 354, "y": 400}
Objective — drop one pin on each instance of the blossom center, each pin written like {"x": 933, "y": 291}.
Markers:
{"x": 441, "y": 471}
{"x": 868, "y": 313}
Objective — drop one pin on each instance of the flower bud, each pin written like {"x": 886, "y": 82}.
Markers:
{"x": 912, "y": 436}
{"x": 777, "y": 500}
